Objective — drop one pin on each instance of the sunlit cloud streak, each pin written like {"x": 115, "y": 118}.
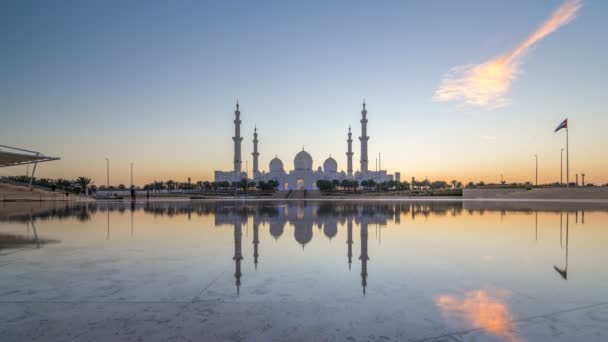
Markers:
{"x": 483, "y": 312}
{"x": 485, "y": 84}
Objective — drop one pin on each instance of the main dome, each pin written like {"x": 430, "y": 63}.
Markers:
{"x": 276, "y": 165}
{"x": 302, "y": 161}
{"x": 330, "y": 165}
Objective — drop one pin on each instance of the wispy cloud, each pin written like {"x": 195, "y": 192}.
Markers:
{"x": 485, "y": 84}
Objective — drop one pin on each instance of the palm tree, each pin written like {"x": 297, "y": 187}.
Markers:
{"x": 171, "y": 184}
{"x": 84, "y": 183}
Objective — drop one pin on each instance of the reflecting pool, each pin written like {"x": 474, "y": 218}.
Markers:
{"x": 305, "y": 271}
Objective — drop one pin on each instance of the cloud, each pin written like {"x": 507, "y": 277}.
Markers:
{"x": 485, "y": 84}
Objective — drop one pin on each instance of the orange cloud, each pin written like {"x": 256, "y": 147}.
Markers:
{"x": 486, "y": 84}
{"x": 484, "y": 312}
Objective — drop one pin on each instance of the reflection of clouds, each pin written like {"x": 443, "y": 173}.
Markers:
{"x": 484, "y": 312}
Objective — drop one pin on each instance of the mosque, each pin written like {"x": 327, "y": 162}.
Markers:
{"x": 303, "y": 176}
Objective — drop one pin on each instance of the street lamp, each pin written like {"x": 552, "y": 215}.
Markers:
{"x": 131, "y": 175}
{"x": 108, "y": 174}
{"x": 536, "y": 158}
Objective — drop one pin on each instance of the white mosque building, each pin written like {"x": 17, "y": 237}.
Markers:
{"x": 303, "y": 176}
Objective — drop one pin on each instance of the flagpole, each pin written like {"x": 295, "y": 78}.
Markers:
{"x": 567, "y": 159}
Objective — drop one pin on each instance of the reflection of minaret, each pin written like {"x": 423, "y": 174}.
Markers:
{"x": 256, "y": 242}
{"x": 349, "y": 154}
{"x": 255, "y": 153}
{"x": 238, "y": 256}
{"x": 364, "y": 256}
{"x": 237, "y": 140}
{"x": 349, "y": 241}
{"x": 364, "y": 138}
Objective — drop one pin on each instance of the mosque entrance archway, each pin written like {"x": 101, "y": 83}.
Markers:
{"x": 300, "y": 184}
{"x": 286, "y": 186}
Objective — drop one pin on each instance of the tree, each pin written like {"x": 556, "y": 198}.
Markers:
{"x": 364, "y": 184}
{"x": 346, "y": 184}
{"x": 261, "y": 185}
{"x": 84, "y": 183}
{"x": 425, "y": 184}
{"x": 171, "y": 184}
{"x": 454, "y": 183}
{"x": 371, "y": 184}
{"x": 274, "y": 184}
{"x": 121, "y": 187}
{"x": 439, "y": 185}
{"x": 325, "y": 185}
{"x": 243, "y": 184}
{"x": 470, "y": 185}
{"x": 335, "y": 183}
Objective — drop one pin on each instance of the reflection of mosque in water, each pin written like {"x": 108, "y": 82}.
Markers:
{"x": 302, "y": 216}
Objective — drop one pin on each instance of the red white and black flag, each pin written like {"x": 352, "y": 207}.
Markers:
{"x": 564, "y": 124}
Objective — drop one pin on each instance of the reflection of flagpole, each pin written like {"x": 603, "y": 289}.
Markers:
{"x": 108, "y": 236}
{"x": 564, "y": 272}
{"x": 567, "y": 231}
{"x": 560, "y": 229}
{"x": 536, "y": 225}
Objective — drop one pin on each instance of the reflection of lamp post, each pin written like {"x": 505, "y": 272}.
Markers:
{"x": 536, "y": 224}
{"x": 564, "y": 272}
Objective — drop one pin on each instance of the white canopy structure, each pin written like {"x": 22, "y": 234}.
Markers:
{"x": 12, "y": 156}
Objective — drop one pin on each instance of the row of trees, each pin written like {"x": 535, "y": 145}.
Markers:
{"x": 370, "y": 184}
{"x": 243, "y": 184}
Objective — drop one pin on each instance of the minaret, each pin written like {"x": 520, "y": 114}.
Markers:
{"x": 238, "y": 255}
{"x": 349, "y": 241}
{"x": 349, "y": 154}
{"x": 364, "y": 258}
{"x": 237, "y": 141}
{"x": 256, "y": 242}
{"x": 255, "y": 153}
{"x": 364, "y": 138}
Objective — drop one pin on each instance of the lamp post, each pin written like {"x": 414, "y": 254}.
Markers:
{"x": 108, "y": 174}
{"x": 536, "y": 158}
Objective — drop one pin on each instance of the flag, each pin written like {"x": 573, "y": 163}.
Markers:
{"x": 564, "y": 124}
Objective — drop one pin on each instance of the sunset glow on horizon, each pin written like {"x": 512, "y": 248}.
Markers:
{"x": 155, "y": 84}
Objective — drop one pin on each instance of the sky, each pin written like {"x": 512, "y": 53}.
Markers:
{"x": 466, "y": 90}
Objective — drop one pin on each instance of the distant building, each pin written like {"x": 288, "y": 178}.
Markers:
{"x": 398, "y": 177}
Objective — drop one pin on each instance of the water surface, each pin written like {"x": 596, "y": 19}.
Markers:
{"x": 290, "y": 271}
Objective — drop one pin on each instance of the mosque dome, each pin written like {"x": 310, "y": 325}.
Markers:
{"x": 330, "y": 165}
{"x": 276, "y": 165}
{"x": 302, "y": 161}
